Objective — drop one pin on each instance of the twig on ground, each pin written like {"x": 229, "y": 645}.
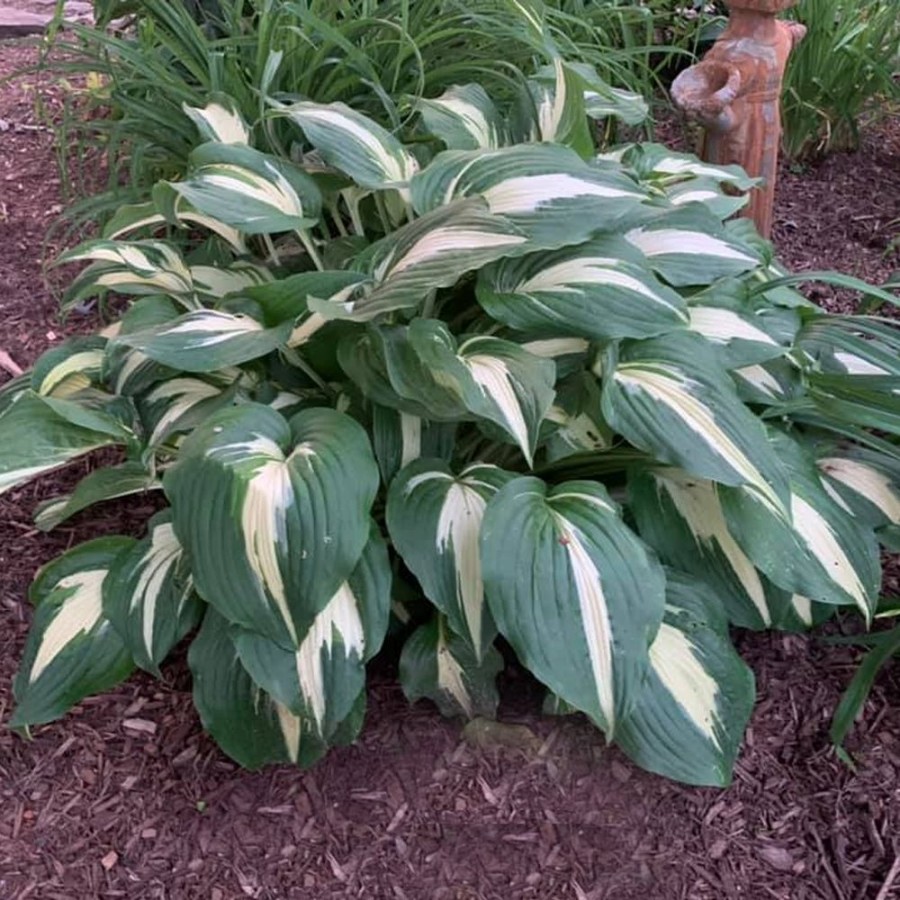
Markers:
{"x": 891, "y": 877}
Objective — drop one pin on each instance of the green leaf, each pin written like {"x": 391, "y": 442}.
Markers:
{"x": 434, "y": 519}
{"x": 206, "y": 340}
{"x": 178, "y": 405}
{"x": 868, "y": 482}
{"x": 464, "y": 118}
{"x": 689, "y": 246}
{"x": 575, "y": 419}
{"x": 72, "y": 649}
{"x": 322, "y": 679}
{"x": 585, "y": 291}
{"x": 148, "y": 595}
{"x": 399, "y": 438}
{"x": 249, "y": 190}
{"x": 36, "y": 436}
{"x": 69, "y": 367}
{"x": 249, "y": 725}
{"x": 670, "y": 397}
{"x": 574, "y": 591}
{"x": 545, "y": 190}
{"x": 690, "y": 718}
{"x": 102, "y": 484}
{"x": 274, "y": 515}
{"x": 744, "y": 339}
{"x": 440, "y": 666}
{"x": 354, "y": 144}
{"x": 814, "y": 547}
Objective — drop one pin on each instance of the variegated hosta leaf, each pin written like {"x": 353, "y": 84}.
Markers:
{"x": 575, "y": 420}
{"x": 767, "y": 383}
{"x": 464, "y": 118}
{"x": 72, "y": 649}
{"x": 744, "y": 339}
{"x": 206, "y": 340}
{"x": 148, "y": 595}
{"x": 215, "y": 282}
{"x": 220, "y": 120}
{"x": 852, "y": 345}
{"x": 546, "y": 190}
{"x": 177, "y": 405}
{"x": 569, "y": 354}
{"x": 274, "y": 515}
{"x": 249, "y": 190}
{"x": 432, "y": 252}
{"x": 434, "y": 519}
{"x": 493, "y": 379}
{"x": 440, "y": 666}
{"x": 574, "y": 591}
{"x": 689, "y": 246}
{"x": 681, "y": 517}
{"x": 129, "y": 267}
{"x": 585, "y": 291}
{"x": 322, "y": 678}
{"x": 557, "y": 93}
{"x": 248, "y": 724}
{"x": 603, "y": 101}
{"x": 354, "y": 144}
{"x": 670, "y": 397}
{"x": 658, "y": 163}
{"x": 99, "y": 485}
{"x": 37, "y": 435}
{"x": 817, "y": 549}
{"x": 69, "y": 367}
{"x": 690, "y": 717}
{"x": 867, "y": 482}
{"x": 400, "y": 438}
{"x": 707, "y": 192}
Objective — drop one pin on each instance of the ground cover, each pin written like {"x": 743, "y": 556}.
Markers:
{"x": 128, "y": 798}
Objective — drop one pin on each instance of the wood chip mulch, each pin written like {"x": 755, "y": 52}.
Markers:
{"x": 127, "y": 798}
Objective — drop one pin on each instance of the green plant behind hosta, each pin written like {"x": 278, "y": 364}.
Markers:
{"x": 488, "y": 382}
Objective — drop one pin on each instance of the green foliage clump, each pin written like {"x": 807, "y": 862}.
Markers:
{"x": 486, "y": 383}
{"x": 845, "y": 67}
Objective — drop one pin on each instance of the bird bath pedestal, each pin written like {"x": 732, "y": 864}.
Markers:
{"x": 735, "y": 90}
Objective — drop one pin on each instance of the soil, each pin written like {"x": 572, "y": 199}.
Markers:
{"x": 126, "y": 797}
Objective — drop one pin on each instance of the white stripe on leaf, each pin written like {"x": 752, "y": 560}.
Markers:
{"x": 665, "y": 241}
{"x": 527, "y": 193}
{"x": 867, "y": 481}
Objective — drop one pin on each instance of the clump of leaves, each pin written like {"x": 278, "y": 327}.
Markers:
{"x": 491, "y": 381}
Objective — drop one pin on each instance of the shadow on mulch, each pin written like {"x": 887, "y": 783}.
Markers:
{"x": 126, "y": 797}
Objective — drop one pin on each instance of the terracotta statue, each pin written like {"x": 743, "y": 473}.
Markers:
{"x": 734, "y": 92}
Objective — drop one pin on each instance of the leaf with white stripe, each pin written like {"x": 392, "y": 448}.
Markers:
{"x": 690, "y": 718}
{"x": 545, "y": 190}
{"x": 70, "y": 367}
{"x": 434, "y": 519}
{"x": 575, "y": 421}
{"x": 868, "y": 482}
{"x": 681, "y": 517}
{"x": 248, "y": 724}
{"x": 177, "y": 405}
{"x": 817, "y": 549}
{"x": 464, "y": 118}
{"x": 37, "y": 436}
{"x": 72, "y": 649}
{"x": 148, "y": 595}
{"x": 438, "y": 665}
{"x": 249, "y": 190}
{"x": 658, "y": 163}
{"x": 432, "y": 252}
{"x": 689, "y": 246}
{"x": 322, "y": 678}
{"x": 206, "y": 340}
{"x": 102, "y": 484}
{"x": 574, "y": 591}
{"x": 743, "y": 338}
{"x": 220, "y": 120}
{"x": 129, "y": 267}
{"x": 399, "y": 438}
{"x": 670, "y": 397}
{"x": 585, "y": 291}
{"x": 707, "y": 192}
{"x": 354, "y": 144}
{"x": 216, "y": 282}
{"x": 274, "y": 515}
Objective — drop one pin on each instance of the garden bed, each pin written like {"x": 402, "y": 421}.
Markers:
{"x": 126, "y": 797}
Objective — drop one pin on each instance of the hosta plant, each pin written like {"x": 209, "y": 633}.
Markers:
{"x": 487, "y": 389}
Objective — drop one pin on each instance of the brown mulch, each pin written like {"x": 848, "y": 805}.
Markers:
{"x": 126, "y": 797}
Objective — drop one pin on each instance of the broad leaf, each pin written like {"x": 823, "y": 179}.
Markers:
{"x": 574, "y": 591}
{"x": 219, "y": 120}
{"x": 868, "y": 482}
{"x": 464, "y": 118}
{"x": 690, "y": 718}
{"x": 434, "y": 519}
{"x": 274, "y": 515}
{"x": 69, "y": 367}
{"x": 586, "y": 291}
{"x": 440, "y": 666}
{"x": 322, "y": 679}
{"x": 148, "y": 595}
{"x": 72, "y": 650}
{"x": 399, "y": 438}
